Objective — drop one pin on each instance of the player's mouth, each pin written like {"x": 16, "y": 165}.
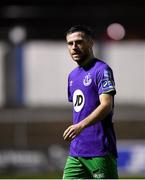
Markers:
{"x": 76, "y": 53}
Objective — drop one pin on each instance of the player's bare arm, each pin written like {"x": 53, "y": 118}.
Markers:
{"x": 105, "y": 107}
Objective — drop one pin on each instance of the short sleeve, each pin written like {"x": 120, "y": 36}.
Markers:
{"x": 68, "y": 91}
{"x": 105, "y": 80}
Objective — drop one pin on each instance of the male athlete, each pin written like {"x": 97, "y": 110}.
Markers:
{"x": 91, "y": 88}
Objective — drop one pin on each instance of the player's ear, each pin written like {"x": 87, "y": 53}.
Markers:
{"x": 91, "y": 42}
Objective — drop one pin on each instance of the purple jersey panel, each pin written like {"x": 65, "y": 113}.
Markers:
{"x": 85, "y": 84}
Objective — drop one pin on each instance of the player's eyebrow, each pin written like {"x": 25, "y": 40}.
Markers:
{"x": 76, "y": 41}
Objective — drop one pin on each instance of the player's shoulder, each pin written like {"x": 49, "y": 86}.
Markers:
{"x": 74, "y": 71}
{"x": 100, "y": 65}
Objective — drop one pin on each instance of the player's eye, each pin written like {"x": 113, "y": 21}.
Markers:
{"x": 70, "y": 43}
{"x": 79, "y": 42}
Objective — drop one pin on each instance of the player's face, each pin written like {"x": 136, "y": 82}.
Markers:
{"x": 79, "y": 46}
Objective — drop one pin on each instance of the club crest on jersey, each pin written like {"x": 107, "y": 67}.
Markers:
{"x": 87, "y": 80}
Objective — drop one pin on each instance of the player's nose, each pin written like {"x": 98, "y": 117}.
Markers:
{"x": 74, "y": 46}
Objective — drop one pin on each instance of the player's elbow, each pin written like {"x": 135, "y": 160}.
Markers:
{"x": 107, "y": 106}
{"x": 106, "y": 102}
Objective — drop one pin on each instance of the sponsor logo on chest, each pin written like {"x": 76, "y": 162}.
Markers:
{"x": 78, "y": 100}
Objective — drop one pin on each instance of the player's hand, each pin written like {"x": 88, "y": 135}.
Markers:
{"x": 72, "y": 131}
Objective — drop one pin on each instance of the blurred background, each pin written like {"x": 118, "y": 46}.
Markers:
{"x": 34, "y": 64}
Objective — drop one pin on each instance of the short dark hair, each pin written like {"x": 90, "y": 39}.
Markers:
{"x": 81, "y": 28}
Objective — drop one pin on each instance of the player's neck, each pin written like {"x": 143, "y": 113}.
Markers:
{"x": 87, "y": 61}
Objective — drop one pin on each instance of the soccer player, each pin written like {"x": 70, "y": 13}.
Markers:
{"x": 91, "y": 88}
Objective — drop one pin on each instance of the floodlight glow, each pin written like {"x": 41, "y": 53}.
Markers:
{"x": 17, "y": 34}
{"x": 116, "y": 31}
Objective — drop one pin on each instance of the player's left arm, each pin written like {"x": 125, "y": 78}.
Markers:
{"x": 105, "y": 107}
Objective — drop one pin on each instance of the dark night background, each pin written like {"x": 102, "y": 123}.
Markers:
{"x": 50, "y": 19}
